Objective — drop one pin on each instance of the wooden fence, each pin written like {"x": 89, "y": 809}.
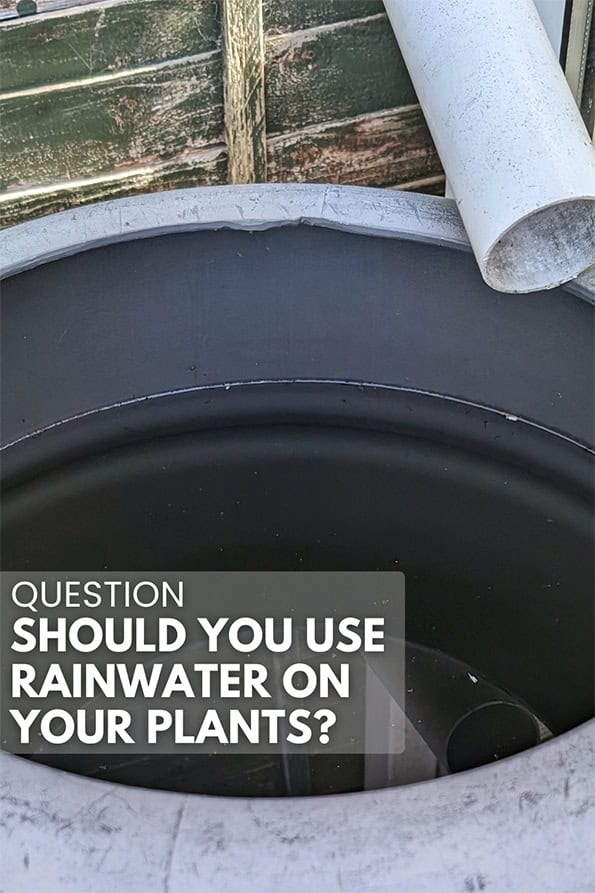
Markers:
{"x": 104, "y": 98}
{"x": 110, "y": 98}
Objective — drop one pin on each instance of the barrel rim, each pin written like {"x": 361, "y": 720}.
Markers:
{"x": 385, "y": 213}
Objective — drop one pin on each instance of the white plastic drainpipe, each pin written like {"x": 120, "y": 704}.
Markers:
{"x": 507, "y": 129}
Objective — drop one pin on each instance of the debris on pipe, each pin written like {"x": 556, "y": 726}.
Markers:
{"x": 509, "y": 134}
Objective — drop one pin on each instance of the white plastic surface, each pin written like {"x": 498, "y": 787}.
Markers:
{"x": 511, "y": 139}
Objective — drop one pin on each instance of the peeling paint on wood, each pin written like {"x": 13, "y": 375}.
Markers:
{"x": 281, "y": 15}
{"x": 392, "y": 146}
{"x": 119, "y": 122}
{"x": 334, "y": 71}
{"x": 121, "y": 96}
{"x": 90, "y": 41}
{"x": 243, "y": 89}
{"x": 208, "y": 167}
{"x": 10, "y": 9}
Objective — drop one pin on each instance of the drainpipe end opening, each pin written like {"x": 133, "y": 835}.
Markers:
{"x": 544, "y": 249}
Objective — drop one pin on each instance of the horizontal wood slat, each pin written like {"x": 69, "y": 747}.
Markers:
{"x": 208, "y": 167}
{"x": 332, "y": 72}
{"x": 429, "y": 186}
{"x": 95, "y": 40}
{"x": 392, "y": 146}
{"x": 295, "y": 15}
{"x": 86, "y": 129}
{"x": 12, "y": 9}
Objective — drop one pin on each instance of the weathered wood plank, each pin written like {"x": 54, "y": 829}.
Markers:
{"x": 90, "y": 41}
{"x": 388, "y": 148}
{"x": 332, "y": 72}
{"x": 243, "y": 90}
{"x": 429, "y": 186}
{"x": 208, "y": 167}
{"x": 97, "y": 103}
{"x": 578, "y": 45}
{"x": 10, "y": 9}
{"x": 85, "y": 129}
{"x": 281, "y": 15}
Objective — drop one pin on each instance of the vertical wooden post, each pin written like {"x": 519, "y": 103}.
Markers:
{"x": 243, "y": 90}
{"x": 578, "y": 45}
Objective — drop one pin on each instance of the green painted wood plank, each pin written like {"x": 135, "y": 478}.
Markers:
{"x": 10, "y": 9}
{"x": 393, "y": 147}
{"x": 334, "y": 72}
{"x": 90, "y": 128}
{"x": 95, "y": 40}
{"x": 281, "y": 15}
{"x": 207, "y": 168}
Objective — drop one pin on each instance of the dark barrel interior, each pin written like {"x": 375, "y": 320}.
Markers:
{"x": 319, "y": 401}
